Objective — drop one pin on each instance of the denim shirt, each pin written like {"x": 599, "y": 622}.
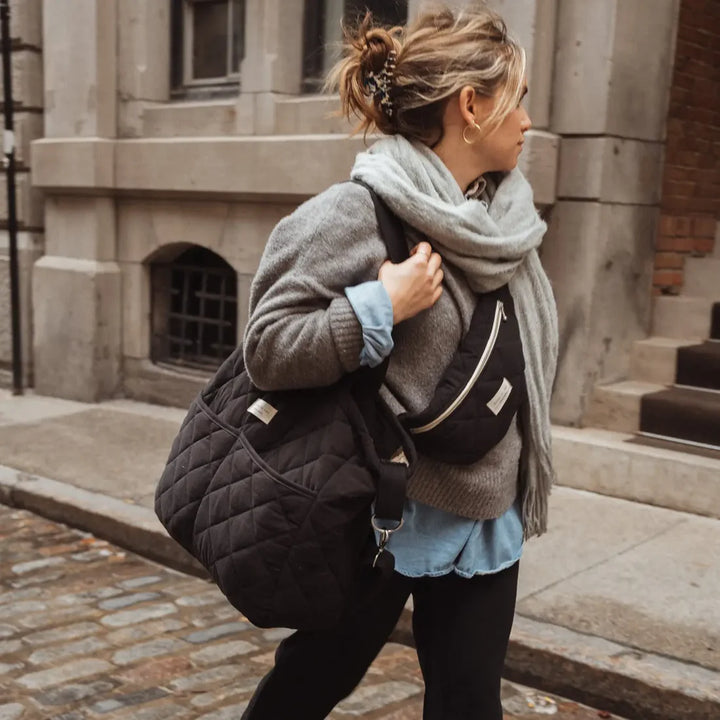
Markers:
{"x": 434, "y": 542}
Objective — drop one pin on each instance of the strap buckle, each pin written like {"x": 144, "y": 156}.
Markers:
{"x": 385, "y": 534}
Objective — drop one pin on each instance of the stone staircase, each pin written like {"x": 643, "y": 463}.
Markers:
{"x": 656, "y": 436}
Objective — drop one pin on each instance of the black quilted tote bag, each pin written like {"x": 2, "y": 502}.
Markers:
{"x": 278, "y": 507}
{"x": 272, "y": 491}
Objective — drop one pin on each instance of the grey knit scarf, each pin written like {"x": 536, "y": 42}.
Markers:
{"x": 493, "y": 245}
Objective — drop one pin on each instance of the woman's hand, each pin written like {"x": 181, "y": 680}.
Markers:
{"x": 415, "y": 284}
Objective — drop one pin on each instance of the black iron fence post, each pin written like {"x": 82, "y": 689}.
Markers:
{"x": 9, "y": 162}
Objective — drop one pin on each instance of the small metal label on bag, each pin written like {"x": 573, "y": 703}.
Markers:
{"x": 262, "y": 410}
{"x": 500, "y": 398}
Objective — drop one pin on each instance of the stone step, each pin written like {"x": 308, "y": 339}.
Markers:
{"x": 699, "y": 365}
{"x": 702, "y": 277}
{"x": 654, "y": 359}
{"x": 690, "y": 414}
{"x": 682, "y": 317}
{"x": 617, "y": 406}
{"x": 614, "y": 464}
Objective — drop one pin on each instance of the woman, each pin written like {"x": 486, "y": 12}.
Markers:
{"x": 447, "y": 96}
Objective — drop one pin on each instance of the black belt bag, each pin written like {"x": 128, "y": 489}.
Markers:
{"x": 481, "y": 390}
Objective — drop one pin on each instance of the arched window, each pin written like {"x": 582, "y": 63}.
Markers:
{"x": 322, "y": 33}
{"x": 194, "y": 309}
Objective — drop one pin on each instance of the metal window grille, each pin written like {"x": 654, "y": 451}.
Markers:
{"x": 195, "y": 310}
{"x": 322, "y": 31}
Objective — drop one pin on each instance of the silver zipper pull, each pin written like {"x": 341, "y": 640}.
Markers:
{"x": 502, "y": 309}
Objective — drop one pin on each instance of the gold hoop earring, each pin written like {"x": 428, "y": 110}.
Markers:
{"x": 474, "y": 126}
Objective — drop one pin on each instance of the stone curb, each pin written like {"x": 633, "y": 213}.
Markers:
{"x": 628, "y": 681}
{"x": 588, "y": 669}
{"x": 585, "y": 668}
{"x": 130, "y": 526}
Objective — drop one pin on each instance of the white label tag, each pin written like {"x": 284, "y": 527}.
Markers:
{"x": 400, "y": 457}
{"x": 263, "y": 411}
{"x": 501, "y": 396}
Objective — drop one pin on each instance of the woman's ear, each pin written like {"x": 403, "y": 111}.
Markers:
{"x": 474, "y": 108}
{"x": 467, "y": 104}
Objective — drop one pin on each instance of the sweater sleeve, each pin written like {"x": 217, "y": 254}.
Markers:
{"x": 302, "y": 330}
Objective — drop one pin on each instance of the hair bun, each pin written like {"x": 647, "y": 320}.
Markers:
{"x": 377, "y": 44}
{"x": 365, "y": 76}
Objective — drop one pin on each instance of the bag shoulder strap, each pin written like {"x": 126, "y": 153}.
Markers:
{"x": 391, "y": 227}
{"x": 392, "y": 476}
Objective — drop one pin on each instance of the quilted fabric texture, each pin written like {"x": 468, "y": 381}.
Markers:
{"x": 469, "y": 432}
{"x": 279, "y": 513}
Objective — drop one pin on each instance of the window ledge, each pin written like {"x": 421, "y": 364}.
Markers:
{"x": 190, "y": 118}
{"x": 217, "y": 91}
{"x": 309, "y": 114}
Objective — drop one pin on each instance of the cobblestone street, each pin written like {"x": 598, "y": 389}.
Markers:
{"x": 90, "y": 631}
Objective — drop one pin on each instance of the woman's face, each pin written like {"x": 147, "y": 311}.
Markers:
{"x": 466, "y": 153}
{"x": 499, "y": 151}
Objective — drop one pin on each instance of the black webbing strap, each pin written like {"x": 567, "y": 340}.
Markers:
{"x": 391, "y": 228}
{"x": 390, "y": 496}
{"x": 393, "y": 476}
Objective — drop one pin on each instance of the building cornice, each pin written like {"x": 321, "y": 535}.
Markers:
{"x": 240, "y": 167}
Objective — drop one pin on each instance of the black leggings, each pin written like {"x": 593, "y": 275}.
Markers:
{"x": 461, "y": 628}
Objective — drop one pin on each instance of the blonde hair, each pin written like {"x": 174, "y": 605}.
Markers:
{"x": 443, "y": 51}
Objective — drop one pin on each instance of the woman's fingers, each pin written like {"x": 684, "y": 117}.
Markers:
{"x": 423, "y": 249}
{"x": 433, "y": 264}
{"x": 414, "y": 284}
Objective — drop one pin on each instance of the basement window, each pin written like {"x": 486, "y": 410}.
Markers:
{"x": 207, "y": 46}
{"x": 322, "y": 31}
{"x": 194, "y": 310}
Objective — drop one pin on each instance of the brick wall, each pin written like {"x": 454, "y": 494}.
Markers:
{"x": 690, "y": 206}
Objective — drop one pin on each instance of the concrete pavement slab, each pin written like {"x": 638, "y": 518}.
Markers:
{"x": 160, "y": 412}
{"x": 31, "y": 408}
{"x": 586, "y": 530}
{"x": 662, "y": 595}
{"x": 104, "y": 450}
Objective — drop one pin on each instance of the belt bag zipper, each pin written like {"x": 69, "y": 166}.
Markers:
{"x": 489, "y": 347}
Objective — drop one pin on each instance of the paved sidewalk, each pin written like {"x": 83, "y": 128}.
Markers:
{"x": 618, "y": 602}
{"x": 88, "y": 630}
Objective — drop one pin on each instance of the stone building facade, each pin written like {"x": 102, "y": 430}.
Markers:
{"x": 165, "y": 165}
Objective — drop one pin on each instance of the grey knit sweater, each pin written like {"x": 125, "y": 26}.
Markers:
{"x": 302, "y": 332}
